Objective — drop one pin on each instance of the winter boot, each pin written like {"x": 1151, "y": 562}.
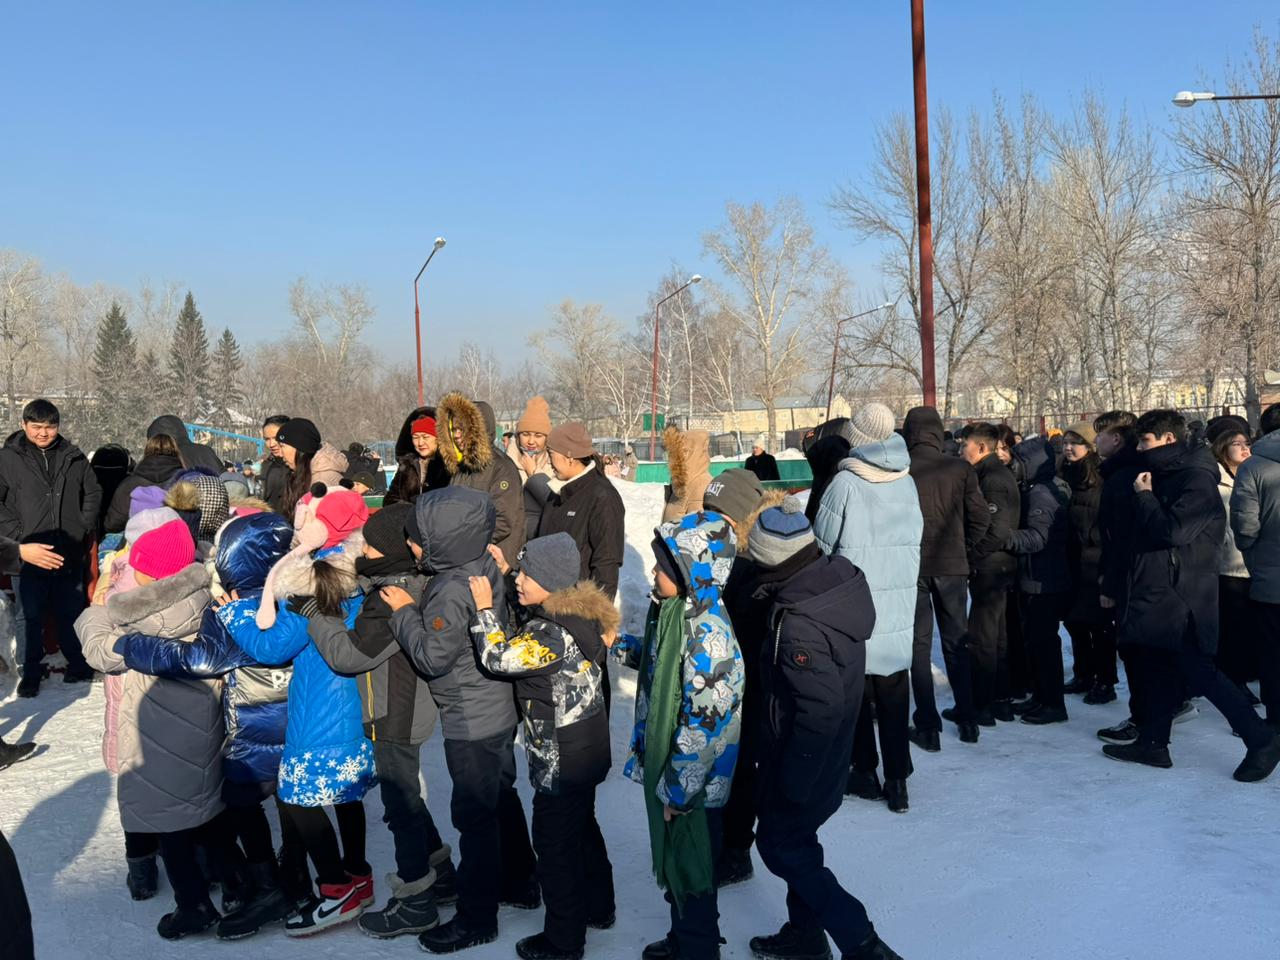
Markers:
{"x": 456, "y": 935}
{"x": 143, "y": 877}
{"x": 1101, "y": 693}
{"x": 968, "y": 731}
{"x": 1002, "y": 710}
{"x": 265, "y": 902}
{"x": 604, "y": 921}
{"x": 29, "y": 686}
{"x": 525, "y": 897}
{"x": 1025, "y": 705}
{"x": 411, "y": 909}
{"x": 790, "y": 943}
{"x": 185, "y": 921}
{"x": 864, "y": 784}
{"x": 11, "y": 753}
{"x": 1139, "y": 751}
{"x": 1259, "y": 762}
{"x": 734, "y": 866}
{"x": 338, "y": 903}
{"x": 445, "y": 889}
{"x": 1126, "y": 732}
{"x": 1043, "y": 715}
{"x": 895, "y": 795}
{"x": 872, "y": 948}
{"x": 665, "y": 949}
{"x": 1188, "y": 711}
{"x": 927, "y": 740}
{"x": 538, "y": 947}
{"x": 1078, "y": 685}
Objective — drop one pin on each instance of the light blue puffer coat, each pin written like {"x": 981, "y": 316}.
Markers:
{"x": 871, "y": 514}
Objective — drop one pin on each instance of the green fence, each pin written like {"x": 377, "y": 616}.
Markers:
{"x": 791, "y": 473}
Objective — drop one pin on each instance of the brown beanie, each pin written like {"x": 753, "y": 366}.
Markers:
{"x": 1084, "y": 430}
{"x": 571, "y": 440}
{"x": 536, "y": 417}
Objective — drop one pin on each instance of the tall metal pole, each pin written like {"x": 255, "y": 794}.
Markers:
{"x": 417, "y": 317}
{"x": 835, "y": 350}
{"x": 653, "y": 408}
{"x": 927, "y": 377}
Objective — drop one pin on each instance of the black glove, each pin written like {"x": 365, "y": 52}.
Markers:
{"x": 304, "y": 607}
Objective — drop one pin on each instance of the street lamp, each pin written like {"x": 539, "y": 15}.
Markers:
{"x": 1186, "y": 98}
{"x": 835, "y": 351}
{"x": 928, "y": 381}
{"x": 417, "y": 317}
{"x": 653, "y": 410}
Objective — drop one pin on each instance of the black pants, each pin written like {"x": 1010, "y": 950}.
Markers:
{"x": 892, "y": 698}
{"x": 1093, "y": 651}
{"x": 15, "y": 912}
{"x": 1240, "y": 629}
{"x": 1165, "y": 678}
{"x": 317, "y": 836}
{"x": 739, "y": 812}
{"x": 573, "y": 865}
{"x": 37, "y": 596}
{"x": 181, "y": 866}
{"x": 1013, "y": 676}
{"x": 1041, "y": 614}
{"x": 251, "y": 827}
{"x": 1266, "y": 655}
{"x": 138, "y": 845}
{"x": 944, "y": 598}
{"x": 988, "y": 635}
{"x": 493, "y": 836}
{"x": 697, "y": 928}
{"x": 787, "y": 840}
{"x": 404, "y": 809}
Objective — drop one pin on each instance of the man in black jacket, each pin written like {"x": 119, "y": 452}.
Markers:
{"x": 50, "y": 495}
{"x": 992, "y": 570}
{"x": 1170, "y": 616}
{"x": 274, "y": 473}
{"x": 955, "y": 519}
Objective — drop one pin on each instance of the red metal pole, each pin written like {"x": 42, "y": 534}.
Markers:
{"x": 927, "y": 377}
{"x": 417, "y": 332}
{"x": 831, "y": 384}
{"x": 653, "y": 409}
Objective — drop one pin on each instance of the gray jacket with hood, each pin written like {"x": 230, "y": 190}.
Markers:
{"x": 1255, "y": 517}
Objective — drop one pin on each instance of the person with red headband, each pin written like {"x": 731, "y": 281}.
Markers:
{"x": 418, "y": 455}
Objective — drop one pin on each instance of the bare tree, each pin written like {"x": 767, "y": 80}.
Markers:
{"x": 580, "y": 341}
{"x": 22, "y": 291}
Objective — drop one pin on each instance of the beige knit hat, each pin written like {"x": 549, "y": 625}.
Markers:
{"x": 872, "y": 424}
{"x": 536, "y": 417}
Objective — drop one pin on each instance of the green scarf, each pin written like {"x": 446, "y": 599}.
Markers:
{"x": 682, "y": 848}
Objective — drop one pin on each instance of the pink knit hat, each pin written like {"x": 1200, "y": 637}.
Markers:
{"x": 164, "y": 551}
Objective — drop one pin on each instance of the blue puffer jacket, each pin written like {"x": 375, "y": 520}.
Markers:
{"x": 870, "y": 514}
{"x": 254, "y": 697}
{"x": 327, "y": 759}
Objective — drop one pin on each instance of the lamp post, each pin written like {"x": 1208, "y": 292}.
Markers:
{"x": 928, "y": 382}
{"x": 835, "y": 351}
{"x": 653, "y": 409}
{"x": 1186, "y": 98}
{"x": 417, "y": 316}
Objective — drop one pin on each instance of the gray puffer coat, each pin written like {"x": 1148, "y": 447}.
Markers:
{"x": 170, "y": 733}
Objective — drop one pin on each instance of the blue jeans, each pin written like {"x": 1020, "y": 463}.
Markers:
{"x": 39, "y": 595}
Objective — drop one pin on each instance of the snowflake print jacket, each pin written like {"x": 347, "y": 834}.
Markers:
{"x": 705, "y": 747}
{"x": 555, "y": 660}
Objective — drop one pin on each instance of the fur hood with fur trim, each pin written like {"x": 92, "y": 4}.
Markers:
{"x": 689, "y": 462}
{"x": 476, "y": 450}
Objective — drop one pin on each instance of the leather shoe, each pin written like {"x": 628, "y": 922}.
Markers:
{"x": 927, "y": 740}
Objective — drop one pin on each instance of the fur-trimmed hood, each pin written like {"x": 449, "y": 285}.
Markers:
{"x": 455, "y": 410}
{"x": 688, "y": 456}
{"x": 586, "y": 600}
{"x": 171, "y": 607}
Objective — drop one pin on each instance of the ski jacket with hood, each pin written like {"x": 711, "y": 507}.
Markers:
{"x": 254, "y": 697}
{"x": 169, "y": 731}
{"x": 1040, "y": 542}
{"x": 194, "y": 455}
{"x": 555, "y": 661}
{"x": 1255, "y": 517}
{"x": 480, "y": 465}
{"x": 689, "y": 460}
{"x": 870, "y": 515}
{"x": 456, "y": 526}
{"x": 590, "y": 509}
{"x": 955, "y": 515}
{"x": 413, "y": 474}
{"x": 155, "y": 471}
{"x": 48, "y": 496}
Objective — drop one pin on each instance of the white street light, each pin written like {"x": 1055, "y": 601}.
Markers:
{"x": 1185, "y": 98}
{"x": 439, "y": 243}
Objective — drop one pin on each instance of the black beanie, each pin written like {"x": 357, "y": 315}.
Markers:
{"x": 385, "y": 531}
{"x": 301, "y": 434}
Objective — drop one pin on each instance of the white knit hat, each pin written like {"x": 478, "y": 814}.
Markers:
{"x": 872, "y": 424}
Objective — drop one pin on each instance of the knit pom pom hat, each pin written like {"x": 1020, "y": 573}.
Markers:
{"x": 780, "y": 533}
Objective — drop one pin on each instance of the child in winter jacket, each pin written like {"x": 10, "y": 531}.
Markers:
{"x": 555, "y": 660}
{"x": 327, "y": 760}
{"x": 449, "y": 532}
{"x": 254, "y": 710}
{"x": 170, "y": 731}
{"x": 685, "y": 742}
{"x": 812, "y": 676}
{"x": 399, "y": 716}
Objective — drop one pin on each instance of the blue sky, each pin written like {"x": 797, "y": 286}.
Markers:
{"x": 564, "y": 149}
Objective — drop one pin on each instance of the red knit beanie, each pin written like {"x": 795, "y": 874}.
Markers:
{"x": 342, "y": 512}
{"x": 424, "y": 425}
{"x": 164, "y": 551}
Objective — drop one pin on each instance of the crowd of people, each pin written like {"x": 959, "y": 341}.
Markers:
{"x": 265, "y": 638}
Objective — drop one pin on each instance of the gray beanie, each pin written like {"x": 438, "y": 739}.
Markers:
{"x": 734, "y": 494}
{"x": 780, "y": 533}
{"x": 872, "y": 424}
{"x": 553, "y": 561}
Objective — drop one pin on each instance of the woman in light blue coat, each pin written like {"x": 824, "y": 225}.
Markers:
{"x": 870, "y": 513}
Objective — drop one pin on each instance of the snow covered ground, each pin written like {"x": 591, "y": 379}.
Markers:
{"x": 1028, "y": 845}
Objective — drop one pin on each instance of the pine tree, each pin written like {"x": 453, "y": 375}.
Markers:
{"x": 188, "y": 379}
{"x": 115, "y": 368}
{"x": 227, "y": 365}
{"x": 151, "y": 397}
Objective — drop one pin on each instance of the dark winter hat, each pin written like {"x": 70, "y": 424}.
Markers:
{"x": 666, "y": 562}
{"x": 553, "y": 561}
{"x": 734, "y": 494}
{"x": 1229, "y": 423}
{"x": 780, "y": 533}
{"x": 301, "y": 434}
{"x": 571, "y": 440}
{"x": 385, "y": 531}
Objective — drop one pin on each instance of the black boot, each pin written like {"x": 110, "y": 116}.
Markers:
{"x": 789, "y": 943}
{"x": 872, "y": 948}
{"x": 664, "y": 949}
{"x": 968, "y": 731}
{"x": 1078, "y": 685}
{"x": 927, "y": 740}
{"x": 411, "y": 909}
{"x": 445, "y": 889}
{"x": 1101, "y": 693}
{"x": 525, "y": 897}
{"x": 734, "y": 866}
{"x": 1020, "y": 707}
{"x": 185, "y": 921}
{"x": 265, "y": 902}
{"x": 1139, "y": 751}
{"x": 538, "y": 947}
{"x": 1043, "y": 715}
{"x": 1002, "y": 710}
{"x": 895, "y": 795}
{"x": 143, "y": 878}
{"x": 456, "y": 935}
{"x": 1259, "y": 762}
{"x": 864, "y": 784}
{"x": 11, "y": 753}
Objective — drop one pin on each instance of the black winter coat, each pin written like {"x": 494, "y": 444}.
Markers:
{"x": 955, "y": 514}
{"x": 274, "y": 478}
{"x": 765, "y": 467}
{"x": 1178, "y": 528}
{"x": 824, "y": 457}
{"x": 1041, "y": 539}
{"x": 812, "y": 678}
{"x": 1000, "y": 490}
{"x": 1084, "y": 547}
{"x": 48, "y": 496}
{"x": 150, "y": 472}
{"x": 590, "y": 510}
{"x": 1115, "y": 523}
